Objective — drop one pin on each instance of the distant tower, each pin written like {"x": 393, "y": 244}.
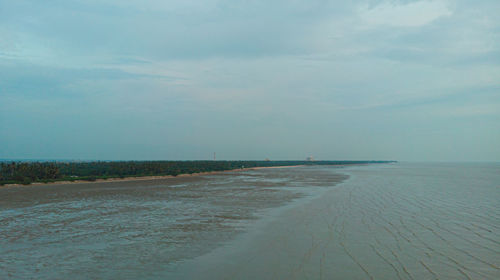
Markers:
{"x": 214, "y": 155}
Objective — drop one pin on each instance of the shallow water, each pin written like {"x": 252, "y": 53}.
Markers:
{"x": 400, "y": 221}
{"x": 392, "y": 221}
{"x": 141, "y": 229}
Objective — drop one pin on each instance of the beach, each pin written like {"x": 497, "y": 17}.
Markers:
{"x": 385, "y": 222}
{"x": 139, "y": 228}
{"x": 389, "y": 221}
{"x": 250, "y": 140}
{"x": 143, "y": 178}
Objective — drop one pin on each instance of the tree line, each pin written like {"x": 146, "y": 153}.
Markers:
{"x": 28, "y": 172}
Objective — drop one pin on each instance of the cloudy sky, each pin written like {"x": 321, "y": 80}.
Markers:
{"x": 285, "y": 79}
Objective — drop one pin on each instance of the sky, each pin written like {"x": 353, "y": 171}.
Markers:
{"x": 283, "y": 79}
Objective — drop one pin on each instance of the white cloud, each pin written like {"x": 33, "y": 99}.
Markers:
{"x": 406, "y": 15}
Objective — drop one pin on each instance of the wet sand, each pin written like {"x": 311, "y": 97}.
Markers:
{"x": 385, "y": 222}
{"x": 139, "y": 229}
{"x": 394, "y": 221}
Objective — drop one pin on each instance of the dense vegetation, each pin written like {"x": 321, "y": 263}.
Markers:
{"x": 28, "y": 172}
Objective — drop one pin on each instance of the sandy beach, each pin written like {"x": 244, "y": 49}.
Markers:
{"x": 144, "y": 178}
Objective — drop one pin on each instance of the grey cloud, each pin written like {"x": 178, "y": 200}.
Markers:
{"x": 304, "y": 75}
{"x": 226, "y": 29}
{"x": 36, "y": 80}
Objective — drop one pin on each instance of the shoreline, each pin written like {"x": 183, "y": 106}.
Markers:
{"x": 197, "y": 214}
{"x": 145, "y": 178}
{"x": 246, "y": 248}
{"x": 351, "y": 231}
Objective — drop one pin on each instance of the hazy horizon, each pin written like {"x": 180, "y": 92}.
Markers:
{"x": 179, "y": 80}
{"x": 246, "y": 159}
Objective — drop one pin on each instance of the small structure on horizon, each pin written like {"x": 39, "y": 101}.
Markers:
{"x": 310, "y": 158}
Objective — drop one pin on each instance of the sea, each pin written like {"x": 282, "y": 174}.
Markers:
{"x": 375, "y": 221}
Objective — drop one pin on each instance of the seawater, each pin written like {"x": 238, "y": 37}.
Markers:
{"x": 138, "y": 229}
{"x": 397, "y": 221}
{"x": 390, "y": 221}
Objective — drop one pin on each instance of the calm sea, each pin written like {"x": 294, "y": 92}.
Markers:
{"x": 391, "y": 221}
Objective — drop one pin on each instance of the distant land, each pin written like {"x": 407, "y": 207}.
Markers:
{"x": 35, "y": 171}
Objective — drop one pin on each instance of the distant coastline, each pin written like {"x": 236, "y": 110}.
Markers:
{"x": 144, "y": 178}
{"x": 49, "y": 172}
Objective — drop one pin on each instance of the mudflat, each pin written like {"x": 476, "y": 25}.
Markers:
{"x": 402, "y": 221}
{"x": 139, "y": 228}
{"x": 393, "y": 221}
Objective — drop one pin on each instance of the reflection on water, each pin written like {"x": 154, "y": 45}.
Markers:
{"x": 136, "y": 229}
